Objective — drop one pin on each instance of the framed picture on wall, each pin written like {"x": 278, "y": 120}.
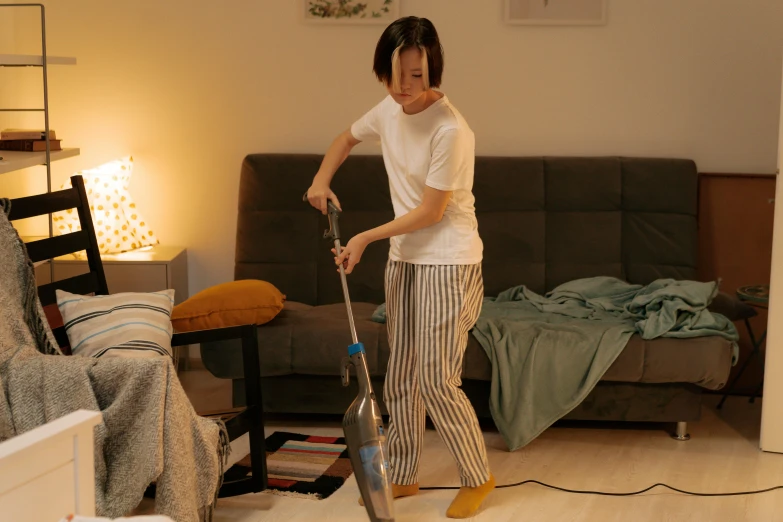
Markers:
{"x": 350, "y": 11}
{"x": 555, "y": 12}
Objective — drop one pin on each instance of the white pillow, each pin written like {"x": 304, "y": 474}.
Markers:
{"x": 127, "y": 324}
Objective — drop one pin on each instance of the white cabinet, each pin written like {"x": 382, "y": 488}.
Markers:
{"x": 772, "y": 404}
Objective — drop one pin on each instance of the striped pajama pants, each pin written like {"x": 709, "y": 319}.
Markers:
{"x": 430, "y": 310}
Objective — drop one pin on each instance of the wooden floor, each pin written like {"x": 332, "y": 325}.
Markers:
{"x": 722, "y": 456}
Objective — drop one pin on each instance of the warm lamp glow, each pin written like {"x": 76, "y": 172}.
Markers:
{"x": 118, "y": 225}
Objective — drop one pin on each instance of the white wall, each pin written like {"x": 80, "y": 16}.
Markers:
{"x": 190, "y": 88}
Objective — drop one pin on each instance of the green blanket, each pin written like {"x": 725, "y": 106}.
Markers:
{"x": 549, "y": 352}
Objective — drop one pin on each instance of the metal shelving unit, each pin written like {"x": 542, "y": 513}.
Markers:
{"x": 13, "y": 160}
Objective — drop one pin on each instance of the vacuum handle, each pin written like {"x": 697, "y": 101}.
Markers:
{"x": 334, "y": 234}
{"x": 333, "y": 213}
{"x": 345, "y": 371}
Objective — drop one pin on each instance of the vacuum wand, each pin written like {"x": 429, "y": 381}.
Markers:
{"x": 334, "y": 234}
{"x": 362, "y": 424}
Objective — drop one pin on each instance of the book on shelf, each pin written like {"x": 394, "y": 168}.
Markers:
{"x": 29, "y": 145}
{"x": 26, "y": 134}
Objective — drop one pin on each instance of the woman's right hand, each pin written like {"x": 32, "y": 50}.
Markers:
{"x": 318, "y": 196}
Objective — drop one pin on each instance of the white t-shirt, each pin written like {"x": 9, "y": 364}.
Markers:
{"x": 436, "y": 148}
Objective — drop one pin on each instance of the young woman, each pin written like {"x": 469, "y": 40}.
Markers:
{"x": 434, "y": 285}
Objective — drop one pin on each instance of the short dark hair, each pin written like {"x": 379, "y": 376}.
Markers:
{"x": 405, "y": 33}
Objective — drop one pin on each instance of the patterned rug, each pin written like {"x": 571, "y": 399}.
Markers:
{"x": 303, "y": 466}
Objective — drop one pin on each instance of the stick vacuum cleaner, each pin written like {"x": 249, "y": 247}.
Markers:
{"x": 362, "y": 423}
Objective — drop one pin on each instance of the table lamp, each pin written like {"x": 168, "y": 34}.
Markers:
{"x": 119, "y": 227}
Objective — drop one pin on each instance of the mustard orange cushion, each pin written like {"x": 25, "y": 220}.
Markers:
{"x": 248, "y": 301}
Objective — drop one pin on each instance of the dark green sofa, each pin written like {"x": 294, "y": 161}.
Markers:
{"x": 543, "y": 221}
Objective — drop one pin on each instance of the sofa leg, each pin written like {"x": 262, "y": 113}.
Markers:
{"x": 682, "y": 432}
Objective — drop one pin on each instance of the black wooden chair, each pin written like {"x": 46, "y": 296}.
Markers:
{"x": 94, "y": 281}
{"x": 239, "y": 421}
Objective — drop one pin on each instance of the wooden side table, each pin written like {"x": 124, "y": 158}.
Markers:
{"x": 754, "y": 295}
{"x": 146, "y": 270}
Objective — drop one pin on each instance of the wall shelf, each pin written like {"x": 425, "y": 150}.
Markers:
{"x": 16, "y": 160}
{"x": 32, "y": 60}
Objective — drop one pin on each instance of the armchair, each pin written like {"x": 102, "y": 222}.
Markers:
{"x": 238, "y": 421}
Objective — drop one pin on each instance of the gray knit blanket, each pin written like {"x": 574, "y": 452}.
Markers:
{"x": 150, "y": 432}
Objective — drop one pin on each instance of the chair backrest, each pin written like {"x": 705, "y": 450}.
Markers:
{"x": 94, "y": 281}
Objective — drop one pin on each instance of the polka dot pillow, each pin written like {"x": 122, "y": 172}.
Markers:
{"x": 119, "y": 227}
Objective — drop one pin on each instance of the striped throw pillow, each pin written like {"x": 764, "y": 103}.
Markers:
{"x": 127, "y": 324}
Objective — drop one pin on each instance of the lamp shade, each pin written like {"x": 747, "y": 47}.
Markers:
{"x": 119, "y": 227}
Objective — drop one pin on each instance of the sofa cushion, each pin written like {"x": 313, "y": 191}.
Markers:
{"x": 308, "y": 340}
{"x": 224, "y": 358}
{"x": 705, "y": 361}
{"x": 319, "y": 348}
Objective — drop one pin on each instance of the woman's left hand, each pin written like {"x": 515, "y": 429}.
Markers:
{"x": 351, "y": 254}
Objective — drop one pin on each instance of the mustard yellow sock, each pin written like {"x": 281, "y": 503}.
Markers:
{"x": 468, "y": 500}
{"x": 400, "y": 491}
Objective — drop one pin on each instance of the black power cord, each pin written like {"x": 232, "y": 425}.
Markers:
{"x": 582, "y": 492}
